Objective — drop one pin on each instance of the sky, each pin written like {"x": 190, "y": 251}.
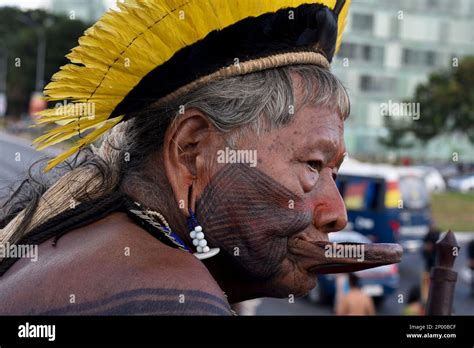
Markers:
{"x": 27, "y": 4}
{"x": 22, "y": 3}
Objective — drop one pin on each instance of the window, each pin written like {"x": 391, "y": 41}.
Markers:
{"x": 362, "y": 22}
{"x": 414, "y": 193}
{"x": 347, "y": 50}
{"x": 418, "y": 57}
{"x": 433, "y": 4}
{"x": 364, "y": 53}
{"x": 372, "y": 54}
{"x": 360, "y": 193}
{"x": 377, "y": 83}
{"x": 430, "y": 58}
{"x": 365, "y": 83}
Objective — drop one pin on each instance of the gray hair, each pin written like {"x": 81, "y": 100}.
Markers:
{"x": 259, "y": 101}
{"x": 244, "y": 100}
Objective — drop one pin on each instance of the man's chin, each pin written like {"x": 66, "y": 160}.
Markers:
{"x": 296, "y": 283}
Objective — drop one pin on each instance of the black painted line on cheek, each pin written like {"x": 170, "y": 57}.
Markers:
{"x": 244, "y": 208}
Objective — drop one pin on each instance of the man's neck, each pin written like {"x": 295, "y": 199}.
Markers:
{"x": 154, "y": 192}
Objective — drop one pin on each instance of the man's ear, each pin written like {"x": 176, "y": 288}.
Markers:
{"x": 184, "y": 153}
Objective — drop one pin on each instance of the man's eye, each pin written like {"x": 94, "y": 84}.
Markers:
{"x": 314, "y": 165}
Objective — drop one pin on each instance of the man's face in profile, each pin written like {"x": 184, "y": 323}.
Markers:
{"x": 265, "y": 217}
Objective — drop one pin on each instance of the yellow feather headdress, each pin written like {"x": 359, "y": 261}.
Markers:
{"x": 153, "y": 50}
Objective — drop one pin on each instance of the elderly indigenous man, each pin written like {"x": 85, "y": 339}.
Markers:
{"x": 156, "y": 220}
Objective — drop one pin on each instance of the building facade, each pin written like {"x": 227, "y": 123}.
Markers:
{"x": 390, "y": 47}
{"x": 87, "y": 10}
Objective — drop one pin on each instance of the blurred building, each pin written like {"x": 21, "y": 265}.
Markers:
{"x": 3, "y": 77}
{"x": 87, "y": 10}
{"x": 388, "y": 49}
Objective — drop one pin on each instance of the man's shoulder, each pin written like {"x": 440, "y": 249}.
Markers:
{"x": 115, "y": 267}
{"x": 148, "y": 277}
{"x": 134, "y": 254}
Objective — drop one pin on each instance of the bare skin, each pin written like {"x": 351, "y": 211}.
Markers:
{"x": 92, "y": 266}
{"x": 301, "y": 159}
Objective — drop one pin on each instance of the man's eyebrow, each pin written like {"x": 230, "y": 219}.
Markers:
{"x": 331, "y": 150}
{"x": 322, "y": 144}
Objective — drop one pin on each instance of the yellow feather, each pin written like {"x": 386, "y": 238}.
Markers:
{"x": 341, "y": 24}
{"x": 83, "y": 142}
{"x": 126, "y": 44}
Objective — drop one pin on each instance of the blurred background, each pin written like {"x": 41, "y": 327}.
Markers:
{"x": 409, "y": 69}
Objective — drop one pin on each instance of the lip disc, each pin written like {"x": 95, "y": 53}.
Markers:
{"x": 375, "y": 255}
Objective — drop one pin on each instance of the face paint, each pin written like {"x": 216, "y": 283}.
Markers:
{"x": 250, "y": 217}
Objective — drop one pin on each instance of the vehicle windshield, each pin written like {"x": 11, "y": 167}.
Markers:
{"x": 414, "y": 192}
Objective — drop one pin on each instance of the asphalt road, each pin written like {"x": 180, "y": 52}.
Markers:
{"x": 17, "y": 155}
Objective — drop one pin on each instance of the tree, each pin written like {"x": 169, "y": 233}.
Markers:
{"x": 447, "y": 106}
{"x": 21, "y": 42}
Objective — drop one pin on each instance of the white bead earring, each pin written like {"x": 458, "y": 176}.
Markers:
{"x": 199, "y": 241}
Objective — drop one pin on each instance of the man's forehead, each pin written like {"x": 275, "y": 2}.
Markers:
{"x": 319, "y": 124}
{"x": 319, "y": 115}
{"x": 321, "y": 131}
{"x": 313, "y": 95}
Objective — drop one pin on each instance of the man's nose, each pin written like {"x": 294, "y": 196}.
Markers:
{"x": 330, "y": 213}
